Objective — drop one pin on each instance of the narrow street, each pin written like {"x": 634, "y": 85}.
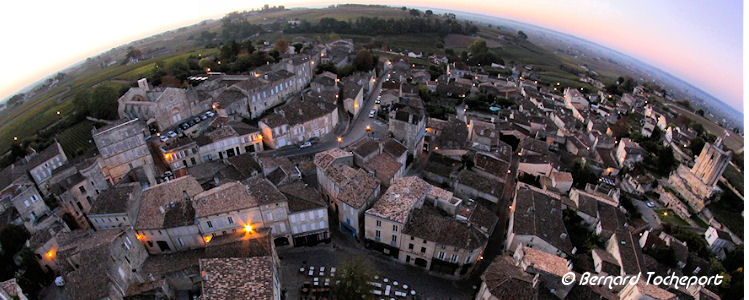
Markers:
{"x": 349, "y": 134}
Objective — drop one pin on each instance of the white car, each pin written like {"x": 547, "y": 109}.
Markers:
{"x": 650, "y": 204}
{"x": 163, "y": 138}
{"x": 305, "y": 145}
{"x": 172, "y": 134}
{"x": 372, "y": 113}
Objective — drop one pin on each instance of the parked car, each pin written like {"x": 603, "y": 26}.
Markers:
{"x": 184, "y": 126}
{"x": 372, "y": 113}
{"x": 210, "y": 113}
{"x": 314, "y": 139}
{"x": 377, "y": 101}
{"x": 203, "y": 116}
{"x": 191, "y": 123}
{"x": 305, "y": 145}
{"x": 650, "y": 204}
{"x": 164, "y": 138}
{"x": 197, "y": 120}
{"x": 171, "y": 133}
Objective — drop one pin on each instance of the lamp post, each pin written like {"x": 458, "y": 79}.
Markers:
{"x": 339, "y": 141}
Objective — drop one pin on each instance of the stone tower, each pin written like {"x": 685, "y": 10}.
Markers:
{"x": 711, "y": 163}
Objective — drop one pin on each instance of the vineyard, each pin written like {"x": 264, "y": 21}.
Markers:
{"x": 76, "y": 140}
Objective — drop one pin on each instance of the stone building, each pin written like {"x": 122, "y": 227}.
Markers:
{"x": 123, "y": 148}
{"x": 299, "y": 120}
{"x": 100, "y": 264}
{"x": 116, "y": 207}
{"x": 41, "y": 165}
{"x": 308, "y": 214}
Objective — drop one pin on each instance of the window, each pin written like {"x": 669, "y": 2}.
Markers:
{"x": 282, "y": 227}
{"x": 453, "y": 258}
{"x": 395, "y": 228}
{"x": 322, "y": 224}
{"x": 301, "y": 217}
{"x": 270, "y": 216}
{"x": 210, "y": 225}
{"x": 377, "y": 234}
{"x": 230, "y": 220}
{"x": 441, "y": 255}
{"x": 379, "y": 223}
{"x": 410, "y": 246}
{"x": 423, "y": 250}
{"x": 394, "y": 239}
{"x": 26, "y": 202}
{"x": 292, "y": 218}
{"x": 468, "y": 259}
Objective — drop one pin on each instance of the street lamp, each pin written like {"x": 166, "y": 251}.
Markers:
{"x": 339, "y": 141}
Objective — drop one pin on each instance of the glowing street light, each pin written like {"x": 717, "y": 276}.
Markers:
{"x": 208, "y": 239}
{"x": 248, "y": 228}
{"x": 51, "y": 253}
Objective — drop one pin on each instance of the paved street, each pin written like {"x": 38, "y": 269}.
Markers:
{"x": 349, "y": 134}
{"x": 343, "y": 248}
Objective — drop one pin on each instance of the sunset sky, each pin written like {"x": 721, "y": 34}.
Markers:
{"x": 697, "y": 41}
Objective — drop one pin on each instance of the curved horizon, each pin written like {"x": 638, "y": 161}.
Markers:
{"x": 706, "y": 54}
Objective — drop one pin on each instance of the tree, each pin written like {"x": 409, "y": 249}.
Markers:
{"x": 329, "y": 67}
{"x": 207, "y": 63}
{"x": 414, "y": 12}
{"x": 352, "y": 280}
{"x": 248, "y": 47}
{"x": 80, "y": 101}
{"x": 364, "y": 61}
{"x": 582, "y": 173}
{"x": 522, "y": 35}
{"x": 428, "y": 12}
{"x": 696, "y": 145}
{"x": 478, "y": 46}
{"x": 103, "y": 103}
{"x": 12, "y": 238}
{"x": 229, "y": 51}
{"x": 282, "y": 46}
{"x": 133, "y": 52}
{"x": 298, "y": 47}
{"x": 701, "y": 112}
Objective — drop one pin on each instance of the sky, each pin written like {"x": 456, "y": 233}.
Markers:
{"x": 698, "y": 41}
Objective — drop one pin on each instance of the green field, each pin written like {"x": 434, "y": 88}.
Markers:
{"x": 41, "y": 112}
{"x": 670, "y": 217}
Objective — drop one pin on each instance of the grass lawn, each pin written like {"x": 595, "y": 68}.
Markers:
{"x": 728, "y": 211}
{"x": 735, "y": 177}
{"x": 670, "y": 217}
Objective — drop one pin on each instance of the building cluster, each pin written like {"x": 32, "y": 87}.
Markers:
{"x": 183, "y": 194}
